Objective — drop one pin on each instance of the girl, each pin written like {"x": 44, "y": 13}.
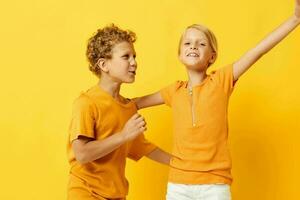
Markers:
{"x": 201, "y": 165}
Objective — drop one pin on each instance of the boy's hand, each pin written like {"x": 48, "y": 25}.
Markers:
{"x": 297, "y": 9}
{"x": 133, "y": 127}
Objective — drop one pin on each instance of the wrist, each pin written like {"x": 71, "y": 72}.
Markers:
{"x": 294, "y": 20}
{"x": 123, "y": 137}
{"x": 297, "y": 17}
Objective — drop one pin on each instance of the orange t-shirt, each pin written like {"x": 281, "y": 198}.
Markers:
{"x": 97, "y": 115}
{"x": 200, "y": 151}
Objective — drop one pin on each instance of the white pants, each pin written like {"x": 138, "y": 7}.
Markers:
{"x": 198, "y": 192}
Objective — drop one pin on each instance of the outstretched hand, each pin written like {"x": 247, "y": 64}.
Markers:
{"x": 297, "y": 9}
{"x": 247, "y": 60}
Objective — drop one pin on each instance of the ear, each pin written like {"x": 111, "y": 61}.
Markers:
{"x": 213, "y": 58}
{"x": 102, "y": 64}
{"x": 179, "y": 56}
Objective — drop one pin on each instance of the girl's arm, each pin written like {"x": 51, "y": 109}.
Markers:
{"x": 160, "y": 156}
{"x": 247, "y": 60}
{"x": 87, "y": 149}
{"x": 148, "y": 100}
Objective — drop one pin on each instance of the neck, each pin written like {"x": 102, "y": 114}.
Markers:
{"x": 110, "y": 86}
{"x": 195, "y": 77}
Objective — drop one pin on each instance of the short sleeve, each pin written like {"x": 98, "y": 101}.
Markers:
{"x": 140, "y": 147}
{"x": 83, "y": 118}
{"x": 224, "y": 77}
{"x": 168, "y": 92}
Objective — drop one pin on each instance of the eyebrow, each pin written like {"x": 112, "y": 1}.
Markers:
{"x": 128, "y": 52}
{"x": 200, "y": 40}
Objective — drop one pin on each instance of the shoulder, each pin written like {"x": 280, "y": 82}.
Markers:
{"x": 87, "y": 99}
{"x": 224, "y": 69}
{"x": 83, "y": 100}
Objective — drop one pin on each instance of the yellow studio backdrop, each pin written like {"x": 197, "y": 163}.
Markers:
{"x": 43, "y": 69}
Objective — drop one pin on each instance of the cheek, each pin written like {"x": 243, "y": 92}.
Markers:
{"x": 181, "y": 56}
{"x": 181, "y": 59}
{"x": 206, "y": 53}
{"x": 120, "y": 62}
{"x": 123, "y": 66}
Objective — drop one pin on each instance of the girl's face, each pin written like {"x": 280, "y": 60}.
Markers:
{"x": 195, "y": 51}
{"x": 122, "y": 66}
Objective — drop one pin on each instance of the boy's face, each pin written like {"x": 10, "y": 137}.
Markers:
{"x": 122, "y": 66}
{"x": 195, "y": 51}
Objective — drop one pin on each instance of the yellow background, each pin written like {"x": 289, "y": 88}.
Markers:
{"x": 43, "y": 69}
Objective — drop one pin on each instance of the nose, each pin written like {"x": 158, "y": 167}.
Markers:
{"x": 133, "y": 62}
{"x": 193, "y": 47}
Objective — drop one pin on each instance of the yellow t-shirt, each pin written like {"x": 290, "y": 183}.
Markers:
{"x": 97, "y": 115}
{"x": 200, "y": 151}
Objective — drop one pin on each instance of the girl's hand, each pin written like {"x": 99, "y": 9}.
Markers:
{"x": 297, "y": 9}
{"x": 251, "y": 56}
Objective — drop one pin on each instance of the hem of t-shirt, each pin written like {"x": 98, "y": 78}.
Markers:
{"x": 165, "y": 98}
{"x": 181, "y": 176}
{"x": 88, "y": 134}
{"x": 103, "y": 195}
{"x": 197, "y": 182}
{"x": 202, "y": 183}
{"x": 99, "y": 194}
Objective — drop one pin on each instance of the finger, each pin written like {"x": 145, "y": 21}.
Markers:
{"x": 135, "y": 116}
{"x": 142, "y": 129}
{"x": 141, "y": 124}
{"x": 140, "y": 119}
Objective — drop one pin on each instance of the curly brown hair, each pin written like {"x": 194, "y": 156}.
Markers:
{"x": 101, "y": 43}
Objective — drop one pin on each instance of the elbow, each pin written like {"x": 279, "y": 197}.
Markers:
{"x": 82, "y": 158}
{"x": 81, "y": 151}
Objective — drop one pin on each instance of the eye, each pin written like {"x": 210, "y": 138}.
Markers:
{"x": 134, "y": 56}
{"x": 126, "y": 56}
{"x": 186, "y": 43}
{"x": 203, "y": 44}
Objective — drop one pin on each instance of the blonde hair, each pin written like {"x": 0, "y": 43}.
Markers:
{"x": 208, "y": 33}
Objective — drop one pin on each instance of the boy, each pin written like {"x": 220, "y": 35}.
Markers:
{"x": 105, "y": 127}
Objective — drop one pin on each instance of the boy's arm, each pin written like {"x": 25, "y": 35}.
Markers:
{"x": 160, "y": 156}
{"x": 87, "y": 150}
{"x": 148, "y": 100}
{"x": 247, "y": 60}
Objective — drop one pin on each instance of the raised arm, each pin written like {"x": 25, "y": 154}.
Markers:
{"x": 149, "y": 100}
{"x": 250, "y": 57}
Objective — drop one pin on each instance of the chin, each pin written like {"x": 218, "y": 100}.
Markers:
{"x": 195, "y": 67}
{"x": 129, "y": 80}
{"x": 191, "y": 62}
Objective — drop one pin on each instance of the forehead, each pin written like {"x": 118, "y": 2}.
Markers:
{"x": 123, "y": 47}
{"x": 194, "y": 34}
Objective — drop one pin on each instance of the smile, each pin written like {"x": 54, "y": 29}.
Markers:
{"x": 192, "y": 55}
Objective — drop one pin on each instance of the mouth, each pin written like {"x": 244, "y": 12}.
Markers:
{"x": 192, "y": 55}
{"x": 132, "y": 72}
